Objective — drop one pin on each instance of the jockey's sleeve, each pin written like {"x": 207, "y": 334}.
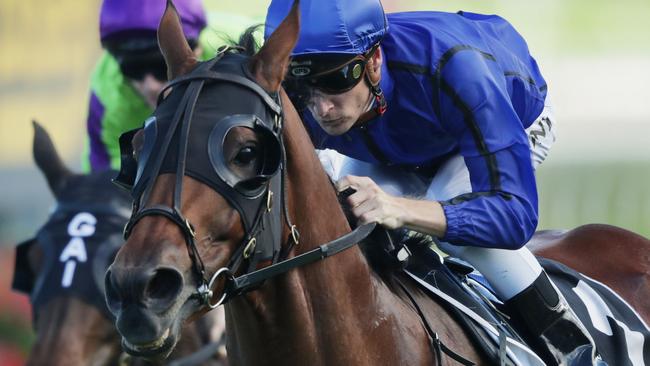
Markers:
{"x": 98, "y": 157}
{"x": 114, "y": 107}
{"x": 501, "y": 210}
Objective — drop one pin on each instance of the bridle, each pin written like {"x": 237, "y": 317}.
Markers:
{"x": 260, "y": 213}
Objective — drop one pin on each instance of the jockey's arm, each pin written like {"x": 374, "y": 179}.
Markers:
{"x": 501, "y": 209}
{"x": 371, "y": 204}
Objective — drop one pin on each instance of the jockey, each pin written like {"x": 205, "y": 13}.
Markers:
{"x": 455, "y": 103}
{"x": 131, "y": 71}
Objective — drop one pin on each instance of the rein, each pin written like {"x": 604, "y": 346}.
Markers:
{"x": 241, "y": 284}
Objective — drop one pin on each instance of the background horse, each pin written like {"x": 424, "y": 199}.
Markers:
{"x": 62, "y": 270}
{"x": 608, "y": 254}
{"x": 212, "y": 180}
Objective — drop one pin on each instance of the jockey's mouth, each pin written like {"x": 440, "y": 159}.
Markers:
{"x": 333, "y": 122}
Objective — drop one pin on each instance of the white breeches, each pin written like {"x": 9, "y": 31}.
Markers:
{"x": 508, "y": 271}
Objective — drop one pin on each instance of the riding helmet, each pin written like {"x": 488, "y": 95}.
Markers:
{"x": 333, "y": 26}
{"x": 121, "y": 18}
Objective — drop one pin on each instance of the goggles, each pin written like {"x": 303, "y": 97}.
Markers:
{"x": 137, "y": 67}
{"x": 139, "y": 56}
{"x": 326, "y": 73}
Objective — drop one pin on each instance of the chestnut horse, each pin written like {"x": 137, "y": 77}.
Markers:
{"x": 333, "y": 312}
{"x": 616, "y": 257}
{"x": 225, "y": 179}
{"x": 73, "y": 325}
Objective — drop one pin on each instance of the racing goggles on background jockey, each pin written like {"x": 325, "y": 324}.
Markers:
{"x": 136, "y": 63}
{"x": 137, "y": 67}
{"x": 329, "y": 73}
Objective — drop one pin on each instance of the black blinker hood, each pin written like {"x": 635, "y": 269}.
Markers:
{"x": 217, "y": 92}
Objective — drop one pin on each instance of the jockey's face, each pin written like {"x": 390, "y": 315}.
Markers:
{"x": 337, "y": 113}
{"x": 148, "y": 87}
{"x": 149, "y": 81}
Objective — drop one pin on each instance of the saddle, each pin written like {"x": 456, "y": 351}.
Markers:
{"x": 471, "y": 304}
{"x": 621, "y": 336}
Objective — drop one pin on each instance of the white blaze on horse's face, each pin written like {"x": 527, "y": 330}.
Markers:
{"x": 337, "y": 113}
{"x": 81, "y": 226}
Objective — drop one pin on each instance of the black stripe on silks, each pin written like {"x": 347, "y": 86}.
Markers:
{"x": 470, "y": 120}
{"x": 454, "y": 50}
{"x": 405, "y": 66}
{"x": 516, "y": 74}
{"x": 439, "y": 84}
{"x": 373, "y": 147}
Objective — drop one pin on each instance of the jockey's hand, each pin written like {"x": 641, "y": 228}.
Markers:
{"x": 371, "y": 204}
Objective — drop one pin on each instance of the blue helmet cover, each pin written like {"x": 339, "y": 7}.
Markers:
{"x": 332, "y": 26}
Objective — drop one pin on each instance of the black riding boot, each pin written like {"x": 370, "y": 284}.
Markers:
{"x": 548, "y": 324}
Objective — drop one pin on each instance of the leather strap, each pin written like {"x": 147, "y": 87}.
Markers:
{"x": 242, "y": 283}
{"x": 231, "y": 78}
{"x": 379, "y": 108}
{"x": 435, "y": 339}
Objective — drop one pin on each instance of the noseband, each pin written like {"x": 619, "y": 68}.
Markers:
{"x": 261, "y": 215}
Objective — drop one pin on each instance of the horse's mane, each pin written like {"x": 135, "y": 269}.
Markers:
{"x": 247, "y": 40}
{"x": 246, "y": 44}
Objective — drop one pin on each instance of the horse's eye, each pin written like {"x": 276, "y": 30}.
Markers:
{"x": 245, "y": 155}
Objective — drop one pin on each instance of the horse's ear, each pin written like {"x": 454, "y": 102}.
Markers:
{"x": 269, "y": 65}
{"x": 48, "y": 160}
{"x": 177, "y": 52}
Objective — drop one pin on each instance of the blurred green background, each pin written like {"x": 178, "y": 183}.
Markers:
{"x": 594, "y": 54}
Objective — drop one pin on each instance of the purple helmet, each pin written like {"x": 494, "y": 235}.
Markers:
{"x": 138, "y": 16}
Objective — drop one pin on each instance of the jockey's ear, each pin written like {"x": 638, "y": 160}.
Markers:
{"x": 178, "y": 54}
{"x": 269, "y": 65}
{"x": 48, "y": 160}
{"x": 373, "y": 68}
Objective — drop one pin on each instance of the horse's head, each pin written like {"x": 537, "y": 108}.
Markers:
{"x": 207, "y": 186}
{"x": 62, "y": 268}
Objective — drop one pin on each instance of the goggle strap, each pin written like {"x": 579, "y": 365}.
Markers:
{"x": 378, "y": 109}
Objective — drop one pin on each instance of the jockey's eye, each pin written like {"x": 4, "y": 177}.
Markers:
{"x": 246, "y": 155}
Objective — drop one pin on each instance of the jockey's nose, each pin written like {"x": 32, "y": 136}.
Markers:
{"x": 321, "y": 105}
{"x": 148, "y": 88}
{"x": 151, "y": 83}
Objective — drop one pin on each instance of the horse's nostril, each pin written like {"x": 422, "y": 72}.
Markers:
{"x": 163, "y": 287}
{"x": 113, "y": 300}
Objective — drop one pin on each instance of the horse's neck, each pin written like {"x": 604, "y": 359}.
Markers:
{"x": 319, "y": 217}
{"x": 332, "y": 303}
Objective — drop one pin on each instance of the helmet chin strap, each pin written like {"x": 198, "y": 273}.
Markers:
{"x": 377, "y": 105}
